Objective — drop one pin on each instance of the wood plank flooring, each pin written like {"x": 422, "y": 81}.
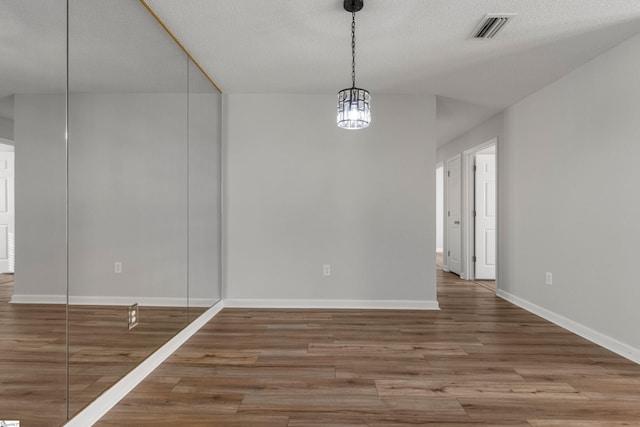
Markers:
{"x": 478, "y": 361}
{"x": 33, "y": 359}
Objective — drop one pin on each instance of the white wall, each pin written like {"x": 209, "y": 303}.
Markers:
{"x": 568, "y": 198}
{"x": 127, "y": 198}
{"x": 6, "y": 146}
{"x": 302, "y": 193}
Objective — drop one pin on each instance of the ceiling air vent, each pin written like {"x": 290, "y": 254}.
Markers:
{"x": 491, "y": 25}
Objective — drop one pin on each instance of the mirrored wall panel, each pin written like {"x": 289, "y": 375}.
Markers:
{"x": 205, "y": 144}
{"x": 33, "y": 260}
{"x": 110, "y": 203}
{"x": 128, "y": 192}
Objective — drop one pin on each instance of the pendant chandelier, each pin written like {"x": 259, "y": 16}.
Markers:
{"x": 353, "y": 103}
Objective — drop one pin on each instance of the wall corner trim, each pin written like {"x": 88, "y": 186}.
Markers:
{"x": 107, "y": 400}
{"x": 585, "y": 332}
{"x": 333, "y": 303}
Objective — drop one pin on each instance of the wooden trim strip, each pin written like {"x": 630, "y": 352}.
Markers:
{"x": 179, "y": 43}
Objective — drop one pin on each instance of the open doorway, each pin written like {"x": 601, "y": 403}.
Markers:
{"x": 480, "y": 213}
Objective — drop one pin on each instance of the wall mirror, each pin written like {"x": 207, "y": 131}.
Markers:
{"x": 124, "y": 211}
{"x": 33, "y": 262}
{"x": 128, "y": 189}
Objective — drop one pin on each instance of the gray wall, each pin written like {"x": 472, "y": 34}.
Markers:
{"x": 482, "y": 133}
{"x": 127, "y": 198}
{"x": 127, "y": 195}
{"x": 40, "y": 196}
{"x": 6, "y": 128}
{"x": 302, "y": 193}
{"x": 205, "y": 141}
{"x": 569, "y": 195}
{"x": 568, "y": 198}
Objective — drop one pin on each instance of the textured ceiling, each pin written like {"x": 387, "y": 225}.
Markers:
{"x": 403, "y": 46}
{"x": 114, "y": 46}
{"x": 303, "y": 46}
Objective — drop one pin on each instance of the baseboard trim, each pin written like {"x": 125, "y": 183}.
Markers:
{"x": 107, "y": 400}
{"x": 330, "y": 303}
{"x": 123, "y": 301}
{"x": 585, "y": 332}
{"x": 38, "y": 299}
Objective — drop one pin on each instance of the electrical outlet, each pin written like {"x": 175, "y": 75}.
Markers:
{"x": 133, "y": 315}
{"x": 549, "y": 278}
{"x": 326, "y": 270}
{"x": 117, "y": 267}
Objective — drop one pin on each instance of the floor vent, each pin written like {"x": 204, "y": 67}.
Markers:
{"x": 491, "y": 25}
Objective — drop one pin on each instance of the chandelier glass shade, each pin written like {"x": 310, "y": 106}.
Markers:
{"x": 354, "y": 108}
{"x": 354, "y": 104}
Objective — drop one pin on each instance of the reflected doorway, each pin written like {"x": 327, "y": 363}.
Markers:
{"x": 7, "y": 207}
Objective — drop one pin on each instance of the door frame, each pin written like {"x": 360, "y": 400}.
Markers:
{"x": 443, "y": 195}
{"x": 468, "y": 205}
{"x": 445, "y": 217}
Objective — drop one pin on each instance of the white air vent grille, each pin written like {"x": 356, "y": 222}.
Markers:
{"x": 491, "y": 25}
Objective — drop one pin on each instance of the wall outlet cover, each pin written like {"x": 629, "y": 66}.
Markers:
{"x": 133, "y": 316}
{"x": 326, "y": 270}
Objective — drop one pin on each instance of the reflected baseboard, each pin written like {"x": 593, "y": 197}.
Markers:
{"x": 107, "y": 400}
{"x": 38, "y": 299}
{"x": 124, "y": 301}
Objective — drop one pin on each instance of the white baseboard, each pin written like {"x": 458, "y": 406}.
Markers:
{"x": 244, "y": 303}
{"x": 585, "y": 332}
{"x": 123, "y": 301}
{"x": 107, "y": 400}
{"x": 439, "y": 250}
{"x": 38, "y": 299}
{"x": 330, "y": 303}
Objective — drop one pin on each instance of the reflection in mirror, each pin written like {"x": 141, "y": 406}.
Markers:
{"x": 33, "y": 300}
{"x": 204, "y": 144}
{"x": 128, "y": 236}
{"x": 129, "y": 207}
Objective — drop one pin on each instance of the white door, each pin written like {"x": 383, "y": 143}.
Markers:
{"x": 6, "y": 212}
{"x": 453, "y": 220}
{"x": 485, "y": 215}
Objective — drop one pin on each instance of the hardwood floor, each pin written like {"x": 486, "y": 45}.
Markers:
{"x": 33, "y": 358}
{"x": 478, "y": 361}
{"x": 489, "y": 284}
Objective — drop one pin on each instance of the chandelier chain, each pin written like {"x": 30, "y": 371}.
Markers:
{"x": 353, "y": 49}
